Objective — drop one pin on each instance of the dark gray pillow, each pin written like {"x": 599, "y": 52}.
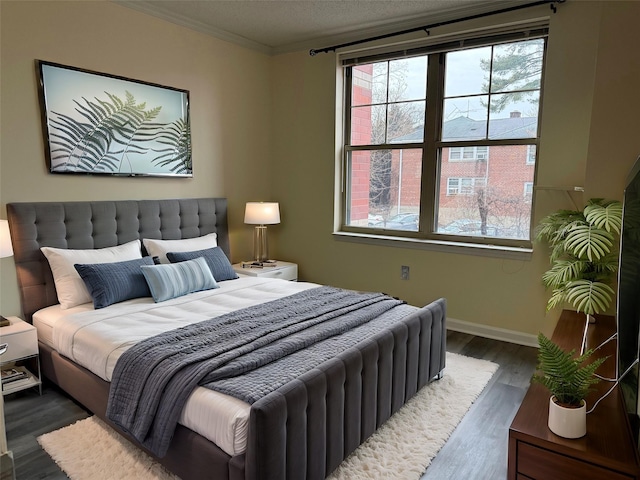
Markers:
{"x": 215, "y": 258}
{"x": 114, "y": 282}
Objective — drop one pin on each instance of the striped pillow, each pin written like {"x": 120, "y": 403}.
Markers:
{"x": 173, "y": 280}
{"x": 216, "y": 259}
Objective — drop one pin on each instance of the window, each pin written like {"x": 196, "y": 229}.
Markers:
{"x": 528, "y": 190}
{"x": 453, "y": 186}
{"x": 464, "y": 186}
{"x": 462, "y": 154}
{"x": 531, "y": 154}
{"x": 444, "y": 132}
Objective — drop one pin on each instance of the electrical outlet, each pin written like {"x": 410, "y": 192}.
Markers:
{"x": 404, "y": 272}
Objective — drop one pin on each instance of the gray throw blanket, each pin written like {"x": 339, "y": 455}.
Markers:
{"x": 153, "y": 379}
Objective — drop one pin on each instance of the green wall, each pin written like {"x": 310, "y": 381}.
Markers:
{"x": 230, "y": 99}
{"x": 589, "y": 138}
{"x": 264, "y": 128}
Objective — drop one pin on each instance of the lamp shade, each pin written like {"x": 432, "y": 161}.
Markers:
{"x": 262, "y": 213}
{"x": 5, "y": 240}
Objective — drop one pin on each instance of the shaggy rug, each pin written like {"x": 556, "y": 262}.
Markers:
{"x": 401, "y": 449}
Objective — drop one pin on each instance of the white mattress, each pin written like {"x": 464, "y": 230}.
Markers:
{"x": 95, "y": 339}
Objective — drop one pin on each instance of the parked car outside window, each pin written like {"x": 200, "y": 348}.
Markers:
{"x": 401, "y": 221}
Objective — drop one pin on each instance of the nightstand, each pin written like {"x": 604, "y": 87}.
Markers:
{"x": 22, "y": 344}
{"x": 282, "y": 270}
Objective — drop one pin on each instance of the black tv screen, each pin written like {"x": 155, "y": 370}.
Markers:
{"x": 628, "y": 304}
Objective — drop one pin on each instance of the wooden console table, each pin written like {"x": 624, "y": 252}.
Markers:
{"x": 607, "y": 451}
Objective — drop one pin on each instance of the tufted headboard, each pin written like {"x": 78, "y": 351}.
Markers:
{"x": 84, "y": 225}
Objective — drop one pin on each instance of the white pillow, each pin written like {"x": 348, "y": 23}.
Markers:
{"x": 70, "y": 288}
{"x": 160, "y": 248}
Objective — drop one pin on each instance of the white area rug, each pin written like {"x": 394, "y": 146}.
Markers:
{"x": 401, "y": 449}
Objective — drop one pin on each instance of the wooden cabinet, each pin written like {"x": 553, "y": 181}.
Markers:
{"x": 607, "y": 451}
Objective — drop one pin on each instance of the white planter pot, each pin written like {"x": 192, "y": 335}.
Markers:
{"x": 567, "y": 422}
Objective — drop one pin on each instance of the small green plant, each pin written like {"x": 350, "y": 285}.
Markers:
{"x": 583, "y": 255}
{"x": 568, "y": 377}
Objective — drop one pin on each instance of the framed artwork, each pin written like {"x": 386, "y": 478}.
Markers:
{"x": 95, "y": 123}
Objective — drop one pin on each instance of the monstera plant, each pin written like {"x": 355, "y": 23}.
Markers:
{"x": 584, "y": 256}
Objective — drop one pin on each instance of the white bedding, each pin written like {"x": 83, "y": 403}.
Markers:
{"x": 95, "y": 339}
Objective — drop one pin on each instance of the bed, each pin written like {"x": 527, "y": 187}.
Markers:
{"x": 302, "y": 429}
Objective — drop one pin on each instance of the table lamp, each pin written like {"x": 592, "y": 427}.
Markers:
{"x": 261, "y": 214}
{"x": 5, "y": 251}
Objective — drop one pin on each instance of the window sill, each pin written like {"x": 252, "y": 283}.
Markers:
{"x": 461, "y": 248}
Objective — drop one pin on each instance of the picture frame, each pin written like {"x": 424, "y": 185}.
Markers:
{"x": 100, "y": 124}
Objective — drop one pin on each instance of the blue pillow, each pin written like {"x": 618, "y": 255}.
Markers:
{"x": 114, "y": 282}
{"x": 216, "y": 259}
{"x": 173, "y": 280}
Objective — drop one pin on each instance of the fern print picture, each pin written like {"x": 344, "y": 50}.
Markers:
{"x": 100, "y": 124}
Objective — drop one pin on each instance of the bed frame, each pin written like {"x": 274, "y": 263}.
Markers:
{"x": 302, "y": 430}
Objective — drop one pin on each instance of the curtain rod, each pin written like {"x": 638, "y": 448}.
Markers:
{"x": 314, "y": 51}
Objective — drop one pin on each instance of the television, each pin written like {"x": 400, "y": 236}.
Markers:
{"x": 628, "y": 299}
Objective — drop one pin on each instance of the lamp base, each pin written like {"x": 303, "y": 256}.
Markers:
{"x": 260, "y": 244}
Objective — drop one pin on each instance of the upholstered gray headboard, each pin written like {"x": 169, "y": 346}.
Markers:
{"x": 81, "y": 225}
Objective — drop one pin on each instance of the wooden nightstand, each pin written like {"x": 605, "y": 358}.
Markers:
{"x": 22, "y": 344}
{"x": 282, "y": 270}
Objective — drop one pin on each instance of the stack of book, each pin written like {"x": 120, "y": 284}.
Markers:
{"x": 15, "y": 377}
{"x": 268, "y": 263}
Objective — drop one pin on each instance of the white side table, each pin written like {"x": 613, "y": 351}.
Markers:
{"x": 282, "y": 270}
{"x": 22, "y": 344}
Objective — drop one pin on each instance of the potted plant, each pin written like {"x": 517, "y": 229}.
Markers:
{"x": 583, "y": 255}
{"x": 569, "y": 378}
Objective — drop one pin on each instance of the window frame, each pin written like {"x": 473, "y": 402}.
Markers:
{"x": 432, "y": 146}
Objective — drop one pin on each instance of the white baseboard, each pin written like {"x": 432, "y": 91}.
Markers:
{"x": 494, "y": 333}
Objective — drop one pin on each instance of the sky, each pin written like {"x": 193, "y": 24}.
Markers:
{"x": 464, "y": 76}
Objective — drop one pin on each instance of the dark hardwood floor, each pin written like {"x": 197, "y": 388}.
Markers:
{"x": 28, "y": 416}
{"x": 477, "y": 449}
